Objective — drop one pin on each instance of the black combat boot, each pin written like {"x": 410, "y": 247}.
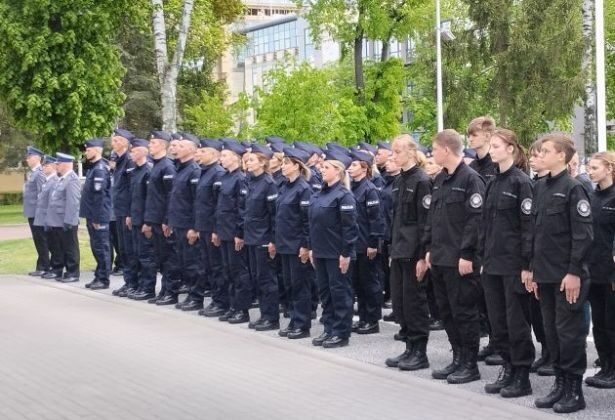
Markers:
{"x": 520, "y": 385}
{"x": 556, "y": 393}
{"x": 605, "y": 378}
{"x": 394, "y": 361}
{"x": 418, "y": 357}
{"x": 573, "y": 395}
{"x": 468, "y": 370}
{"x": 452, "y": 367}
{"x": 505, "y": 378}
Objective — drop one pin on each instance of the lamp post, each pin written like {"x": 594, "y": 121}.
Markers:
{"x": 442, "y": 29}
{"x": 600, "y": 77}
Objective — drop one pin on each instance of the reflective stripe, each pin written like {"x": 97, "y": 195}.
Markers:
{"x": 272, "y": 197}
{"x": 168, "y": 176}
{"x": 305, "y": 203}
{"x": 347, "y": 207}
{"x": 373, "y": 203}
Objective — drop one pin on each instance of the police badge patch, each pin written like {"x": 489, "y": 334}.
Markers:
{"x": 583, "y": 208}
{"x": 427, "y": 201}
{"x": 526, "y": 206}
{"x": 476, "y": 201}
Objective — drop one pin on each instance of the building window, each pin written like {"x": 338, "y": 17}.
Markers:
{"x": 308, "y": 45}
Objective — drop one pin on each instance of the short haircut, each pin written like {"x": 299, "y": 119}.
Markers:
{"x": 484, "y": 123}
{"x": 451, "y": 139}
{"x": 562, "y": 142}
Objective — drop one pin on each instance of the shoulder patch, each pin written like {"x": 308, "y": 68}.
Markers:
{"x": 373, "y": 203}
{"x": 347, "y": 207}
{"x": 426, "y": 201}
{"x": 194, "y": 181}
{"x": 476, "y": 201}
{"x": 272, "y": 197}
{"x": 304, "y": 203}
{"x": 583, "y": 208}
{"x": 168, "y": 177}
{"x": 526, "y": 206}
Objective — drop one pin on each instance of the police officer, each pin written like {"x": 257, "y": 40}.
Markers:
{"x": 505, "y": 249}
{"x": 117, "y": 265}
{"x": 452, "y": 239}
{"x": 333, "y": 234}
{"x": 229, "y": 209}
{"x": 562, "y": 236}
{"x": 31, "y": 190}
{"x": 143, "y": 265}
{"x": 411, "y": 198}
{"x": 601, "y": 170}
{"x": 96, "y": 209}
{"x": 479, "y": 133}
{"x": 42, "y": 201}
{"x": 120, "y": 143}
{"x": 155, "y": 218}
{"x": 377, "y": 177}
{"x": 181, "y": 217}
{"x": 370, "y": 224}
{"x": 292, "y": 241}
{"x": 63, "y": 220}
{"x": 315, "y": 159}
{"x": 257, "y": 231}
{"x": 392, "y": 170}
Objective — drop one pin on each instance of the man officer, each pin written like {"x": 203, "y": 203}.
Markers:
{"x": 96, "y": 209}
{"x": 42, "y": 202}
{"x": 31, "y": 190}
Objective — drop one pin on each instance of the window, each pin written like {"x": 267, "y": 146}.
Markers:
{"x": 308, "y": 45}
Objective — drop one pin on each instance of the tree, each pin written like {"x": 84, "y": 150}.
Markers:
{"x": 60, "y": 71}
{"x": 210, "y": 117}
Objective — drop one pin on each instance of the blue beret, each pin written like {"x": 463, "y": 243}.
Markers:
{"x": 470, "y": 153}
{"x": 162, "y": 135}
{"x": 362, "y": 155}
{"x": 274, "y": 140}
{"x": 337, "y": 148}
{"x": 233, "y": 146}
{"x": 368, "y": 147}
{"x": 137, "y": 142}
{"x": 264, "y": 150}
{"x": 177, "y": 136}
{"x": 296, "y": 153}
{"x": 31, "y": 150}
{"x": 341, "y": 157}
{"x": 124, "y": 133}
{"x": 211, "y": 143}
{"x": 64, "y": 158}
{"x": 49, "y": 159}
{"x": 384, "y": 145}
{"x": 95, "y": 142}
{"x": 246, "y": 144}
{"x": 308, "y": 147}
{"x": 277, "y": 147}
{"x": 188, "y": 136}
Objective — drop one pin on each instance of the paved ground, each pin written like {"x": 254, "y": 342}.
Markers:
{"x": 20, "y": 231}
{"x": 67, "y": 352}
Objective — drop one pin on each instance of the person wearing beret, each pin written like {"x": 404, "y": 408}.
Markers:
{"x": 333, "y": 235}
{"x": 257, "y": 231}
{"x": 96, "y": 209}
{"x": 230, "y": 207}
{"x": 315, "y": 158}
{"x": 62, "y": 220}
{"x": 31, "y": 190}
{"x": 42, "y": 202}
{"x": 370, "y": 224}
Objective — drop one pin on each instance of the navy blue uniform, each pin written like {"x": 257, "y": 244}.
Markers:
{"x": 96, "y": 209}
{"x": 276, "y": 262}
{"x": 386, "y": 204}
{"x": 181, "y": 218}
{"x": 365, "y": 272}
{"x": 121, "y": 208}
{"x": 333, "y": 233}
{"x": 292, "y": 233}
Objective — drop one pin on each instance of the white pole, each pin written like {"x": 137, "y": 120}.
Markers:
{"x": 440, "y": 108}
{"x": 600, "y": 77}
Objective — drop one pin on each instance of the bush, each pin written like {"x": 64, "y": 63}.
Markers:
{"x": 10, "y": 198}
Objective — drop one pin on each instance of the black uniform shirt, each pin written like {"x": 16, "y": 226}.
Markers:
{"x": 121, "y": 186}
{"x": 485, "y": 167}
{"x": 207, "y": 197}
{"x": 386, "y": 201}
{"x": 370, "y": 222}
{"x": 158, "y": 189}
{"x": 600, "y": 257}
{"x": 96, "y": 195}
{"x": 183, "y": 194}
{"x": 139, "y": 176}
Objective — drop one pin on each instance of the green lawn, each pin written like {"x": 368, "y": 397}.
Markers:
{"x": 19, "y": 256}
{"x": 12, "y": 215}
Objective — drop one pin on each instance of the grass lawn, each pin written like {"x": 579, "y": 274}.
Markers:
{"x": 12, "y": 215}
{"x": 19, "y": 256}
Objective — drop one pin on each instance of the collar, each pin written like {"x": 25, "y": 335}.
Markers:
{"x": 606, "y": 190}
{"x": 505, "y": 173}
{"x": 410, "y": 171}
{"x": 182, "y": 165}
{"x": 459, "y": 167}
{"x": 485, "y": 160}
{"x": 554, "y": 179}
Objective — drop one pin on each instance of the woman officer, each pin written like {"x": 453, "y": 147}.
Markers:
{"x": 292, "y": 239}
{"x": 370, "y": 225}
{"x": 602, "y": 268}
{"x": 505, "y": 244}
{"x": 333, "y": 234}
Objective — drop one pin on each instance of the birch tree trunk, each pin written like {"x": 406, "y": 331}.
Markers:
{"x": 168, "y": 71}
{"x": 590, "y": 130}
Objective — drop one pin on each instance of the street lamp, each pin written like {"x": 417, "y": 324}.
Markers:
{"x": 442, "y": 32}
{"x": 600, "y": 77}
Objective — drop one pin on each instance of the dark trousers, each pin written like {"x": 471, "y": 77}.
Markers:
{"x": 564, "y": 326}
{"x": 275, "y": 265}
{"x": 127, "y": 253}
{"x": 385, "y": 271}
{"x": 297, "y": 283}
{"x": 508, "y": 306}
{"x": 314, "y": 289}
{"x": 409, "y": 300}
{"x": 368, "y": 288}
{"x": 146, "y": 268}
{"x": 236, "y": 276}
{"x": 188, "y": 257}
{"x": 211, "y": 274}
{"x": 260, "y": 269}
{"x": 536, "y": 320}
{"x": 602, "y": 301}
{"x": 40, "y": 243}
{"x": 457, "y": 299}
{"x": 65, "y": 244}
{"x": 336, "y": 297}
{"x": 116, "y": 257}
{"x": 165, "y": 257}
{"x": 434, "y": 313}
{"x": 99, "y": 244}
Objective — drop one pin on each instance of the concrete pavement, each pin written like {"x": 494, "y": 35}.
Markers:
{"x": 67, "y": 352}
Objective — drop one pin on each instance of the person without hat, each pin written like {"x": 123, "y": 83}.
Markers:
{"x": 333, "y": 235}
{"x": 96, "y": 209}
{"x": 451, "y": 241}
{"x": 31, "y": 190}
{"x": 42, "y": 202}
{"x": 62, "y": 220}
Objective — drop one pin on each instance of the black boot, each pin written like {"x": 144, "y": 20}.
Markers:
{"x": 468, "y": 370}
{"x": 556, "y": 393}
{"x": 520, "y": 385}
{"x": 605, "y": 378}
{"x": 573, "y": 395}
{"x": 542, "y": 361}
{"x": 505, "y": 378}
{"x": 485, "y": 351}
{"x": 452, "y": 367}
{"x": 394, "y": 361}
{"x": 418, "y": 358}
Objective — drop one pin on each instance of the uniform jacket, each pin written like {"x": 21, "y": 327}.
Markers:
{"x": 64, "y": 202}
{"x": 230, "y": 205}
{"x": 292, "y": 229}
{"x": 121, "y": 186}
{"x": 183, "y": 194}
{"x": 315, "y": 179}
{"x": 600, "y": 257}
{"x": 139, "y": 178}
{"x": 333, "y": 222}
{"x": 386, "y": 203}
{"x": 506, "y": 227}
{"x": 207, "y": 197}
{"x": 257, "y": 226}
{"x": 31, "y": 189}
{"x": 563, "y": 231}
{"x": 485, "y": 167}
{"x": 411, "y": 199}
{"x": 278, "y": 178}
{"x": 454, "y": 216}
{"x": 96, "y": 194}
{"x": 42, "y": 202}
{"x": 370, "y": 222}
{"x": 379, "y": 181}
{"x": 159, "y": 187}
